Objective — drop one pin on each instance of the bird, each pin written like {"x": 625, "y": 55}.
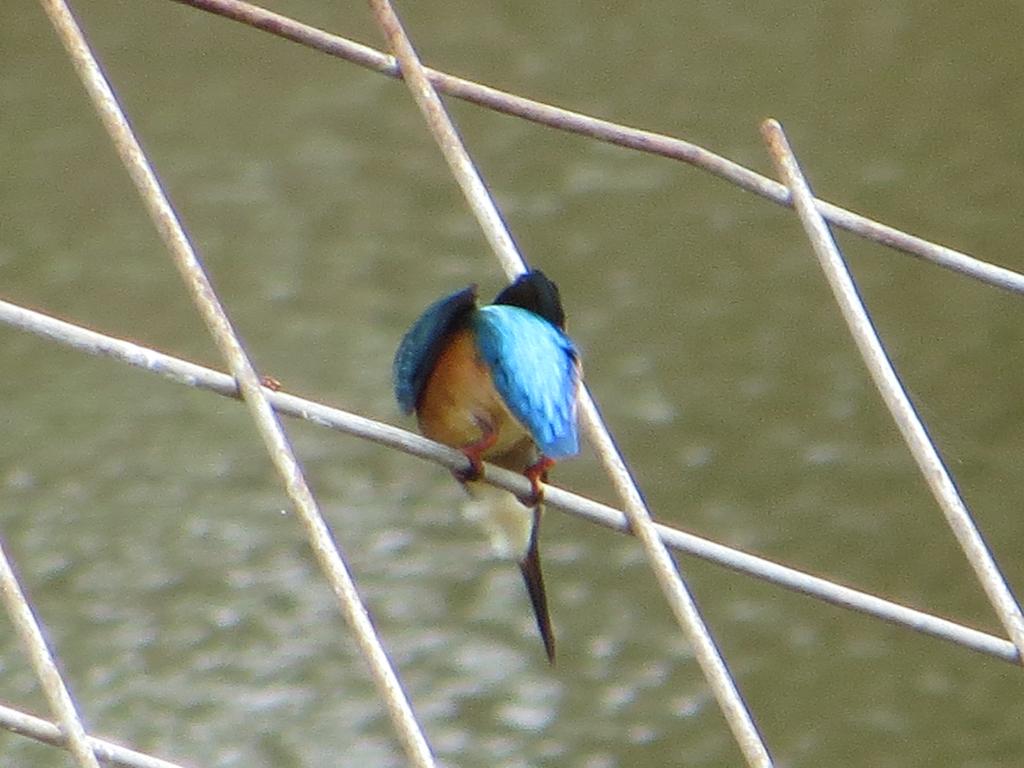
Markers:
{"x": 499, "y": 383}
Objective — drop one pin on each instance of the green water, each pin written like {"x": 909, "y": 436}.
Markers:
{"x": 152, "y": 535}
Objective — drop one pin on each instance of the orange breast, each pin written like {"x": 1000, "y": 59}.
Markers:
{"x": 459, "y": 403}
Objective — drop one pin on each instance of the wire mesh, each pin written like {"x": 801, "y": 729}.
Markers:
{"x": 674, "y": 588}
{"x": 54, "y": 687}
{"x": 635, "y": 518}
{"x": 191, "y": 375}
{"x": 896, "y": 399}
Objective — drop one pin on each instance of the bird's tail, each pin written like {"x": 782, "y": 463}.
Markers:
{"x": 534, "y": 578}
{"x": 513, "y": 530}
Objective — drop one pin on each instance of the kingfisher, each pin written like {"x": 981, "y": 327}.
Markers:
{"x": 500, "y": 383}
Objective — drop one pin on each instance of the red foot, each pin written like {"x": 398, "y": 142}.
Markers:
{"x": 474, "y": 453}
{"x": 536, "y": 473}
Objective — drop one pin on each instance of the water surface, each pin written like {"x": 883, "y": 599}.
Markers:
{"x": 156, "y": 543}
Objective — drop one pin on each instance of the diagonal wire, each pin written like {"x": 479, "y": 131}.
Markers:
{"x": 56, "y": 692}
{"x": 324, "y": 548}
{"x": 45, "y": 732}
{"x": 680, "y": 600}
{"x": 192, "y": 375}
{"x": 617, "y": 134}
{"x": 888, "y": 383}
{"x": 1003, "y": 280}
{"x": 612, "y": 133}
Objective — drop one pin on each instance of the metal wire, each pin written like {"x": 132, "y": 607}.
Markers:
{"x": 46, "y": 732}
{"x": 676, "y": 592}
{"x": 888, "y": 383}
{"x": 636, "y": 520}
{"x": 173, "y": 235}
{"x": 192, "y": 375}
{"x": 612, "y": 133}
{"x": 54, "y": 688}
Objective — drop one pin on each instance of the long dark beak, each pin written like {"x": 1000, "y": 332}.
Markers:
{"x": 530, "y": 567}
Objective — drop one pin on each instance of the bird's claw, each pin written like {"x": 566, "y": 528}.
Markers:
{"x": 533, "y": 498}
{"x": 536, "y": 473}
{"x": 474, "y": 453}
{"x": 474, "y": 471}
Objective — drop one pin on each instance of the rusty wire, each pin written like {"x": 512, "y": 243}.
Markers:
{"x": 612, "y": 133}
{"x": 670, "y": 579}
{"x": 325, "y": 549}
{"x": 55, "y": 690}
{"x": 45, "y": 732}
{"x": 261, "y": 403}
{"x": 887, "y": 381}
{"x": 346, "y": 422}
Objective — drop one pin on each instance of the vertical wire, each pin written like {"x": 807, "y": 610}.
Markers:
{"x": 888, "y": 383}
{"x": 206, "y": 301}
{"x": 677, "y": 594}
{"x": 54, "y": 688}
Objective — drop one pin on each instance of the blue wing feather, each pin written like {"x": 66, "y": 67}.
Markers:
{"x": 535, "y": 369}
{"x": 423, "y": 342}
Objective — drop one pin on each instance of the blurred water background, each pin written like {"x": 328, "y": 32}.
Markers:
{"x": 151, "y": 533}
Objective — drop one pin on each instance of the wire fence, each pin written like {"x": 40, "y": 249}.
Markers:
{"x": 656, "y": 539}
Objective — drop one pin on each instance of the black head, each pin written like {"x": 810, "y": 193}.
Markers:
{"x": 533, "y": 291}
